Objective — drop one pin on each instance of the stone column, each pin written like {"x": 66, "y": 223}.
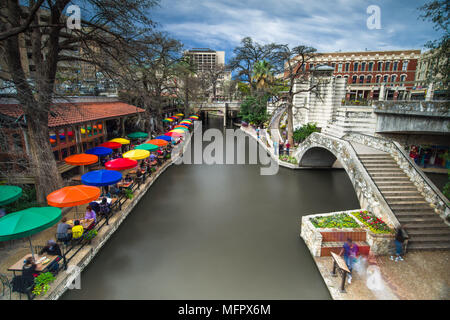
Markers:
{"x": 225, "y": 108}
{"x": 381, "y": 94}
{"x": 430, "y": 91}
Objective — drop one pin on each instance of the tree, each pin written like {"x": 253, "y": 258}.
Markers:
{"x": 298, "y": 78}
{"x": 150, "y": 71}
{"x": 112, "y": 25}
{"x": 189, "y": 86}
{"x": 245, "y": 57}
{"x": 437, "y": 11}
{"x": 213, "y": 76}
{"x": 254, "y": 109}
{"x": 263, "y": 75}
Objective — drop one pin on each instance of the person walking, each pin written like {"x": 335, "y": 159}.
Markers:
{"x": 281, "y": 148}
{"x": 350, "y": 251}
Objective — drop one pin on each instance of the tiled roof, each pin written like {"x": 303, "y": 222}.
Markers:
{"x": 75, "y": 113}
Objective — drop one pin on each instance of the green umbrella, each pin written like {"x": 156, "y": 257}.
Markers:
{"x": 147, "y": 146}
{"x": 27, "y": 222}
{"x": 138, "y": 135}
{"x": 9, "y": 194}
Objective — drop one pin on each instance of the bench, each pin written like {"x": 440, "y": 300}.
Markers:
{"x": 341, "y": 266}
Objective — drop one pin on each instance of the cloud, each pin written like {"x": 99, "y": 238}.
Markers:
{"x": 328, "y": 25}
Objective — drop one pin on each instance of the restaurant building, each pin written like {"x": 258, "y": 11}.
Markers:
{"x": 75, "y": 125}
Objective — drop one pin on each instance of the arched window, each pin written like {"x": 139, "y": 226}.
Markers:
{"x": 354, "y": 78}
{"x": 386, "y": 78}
{"x": 361, "y": 79}
{"x": 369, "y": 79}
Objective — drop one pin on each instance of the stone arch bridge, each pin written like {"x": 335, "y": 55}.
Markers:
{"x": 386, "y": 182}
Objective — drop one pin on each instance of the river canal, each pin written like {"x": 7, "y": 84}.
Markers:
{"x": 218, "y": 232}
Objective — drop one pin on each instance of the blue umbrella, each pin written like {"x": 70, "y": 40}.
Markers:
{"x": 167, "y": 138}
{"x": 100, "y": 178}
{"x": 99, "y": 151}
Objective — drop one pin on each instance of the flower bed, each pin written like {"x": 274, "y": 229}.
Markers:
{"x": 288, "y": 159}
{"x": 339, "y": 221}
{"x": 376, "y": 225}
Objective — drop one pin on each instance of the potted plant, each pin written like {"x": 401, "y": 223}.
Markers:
{"x": 129, "y": 193}
{"x": 41, "y": 283}
{"x": 91, "y": 235}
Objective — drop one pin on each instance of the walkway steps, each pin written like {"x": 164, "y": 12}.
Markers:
{"x": 426, "y": 230}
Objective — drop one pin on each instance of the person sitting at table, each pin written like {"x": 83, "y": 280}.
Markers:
{"x": 90, "y": 214}
{"x": 95, "y": 206}
{"x": 25, "y": 281}
{"x": 113, "y": 190}
{"x": 61, "y": 231}
{"x": 152, "y": 157}
{"x": 53, "y": 249}
{"x": 77, "y": 230}
{"x": 127, "y": 179}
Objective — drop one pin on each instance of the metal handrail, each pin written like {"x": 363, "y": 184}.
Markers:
{"x": 413, "y": 164}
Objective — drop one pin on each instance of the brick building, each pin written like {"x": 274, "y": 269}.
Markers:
{"x": 370, "y": 74}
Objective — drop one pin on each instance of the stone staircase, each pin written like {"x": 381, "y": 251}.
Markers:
{"x": 351, "y": 119}
{"x": 425, "y": 228}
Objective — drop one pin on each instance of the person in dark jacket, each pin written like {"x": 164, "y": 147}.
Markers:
{"x": 25, "y": 281}
{"x": 53, "y": 249}
{"x": 398, "y": 242}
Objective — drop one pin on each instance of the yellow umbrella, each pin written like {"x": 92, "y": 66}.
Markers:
{"x": 178, "y": 130}
{"x": 120, "y": 140}
{"x": 179, "y": 114}
{"x": 136, "y": 154}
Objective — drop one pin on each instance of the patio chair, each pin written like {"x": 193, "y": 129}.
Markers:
{"x": 6, "y": 285}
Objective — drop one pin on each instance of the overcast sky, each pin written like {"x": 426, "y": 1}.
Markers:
{"x": 328, "y": 25}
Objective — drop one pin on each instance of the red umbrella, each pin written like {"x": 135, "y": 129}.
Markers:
{"x": 121, "y": 164}
{"x": 111, "y": 145}
{"x": 173, "y": 134}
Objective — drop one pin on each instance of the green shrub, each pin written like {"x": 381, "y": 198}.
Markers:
{"x": 41, "y": 283}
{"x": 300, "y": 134}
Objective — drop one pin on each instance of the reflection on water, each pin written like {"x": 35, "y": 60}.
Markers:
{"x": 218, "y": 232}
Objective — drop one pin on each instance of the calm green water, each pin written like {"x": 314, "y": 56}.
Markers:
{"x": 218, "y": 232}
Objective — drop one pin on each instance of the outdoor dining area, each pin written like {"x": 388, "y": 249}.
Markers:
{"x": 110, "y": 175}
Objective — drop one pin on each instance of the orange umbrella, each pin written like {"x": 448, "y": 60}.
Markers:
{"x": 81, "y": 159}
{"x": 73, "y": 196}
{"x": 158, "y": 142}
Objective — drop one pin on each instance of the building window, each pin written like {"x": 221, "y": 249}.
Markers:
{"x": 380, "y": 66}
{"x": 361, "y": 79}
{"x": 354, "y": 79}
{"x": 347, "y": 66}
{"x": 378, "y": 79}
{"x": 395, "y": 66}
{"x": 369, "y": 79}
{"x": 402, "y": 80}
{"x": 333, "y": 65}
{"x": 370, "y": 66}
{"x": 386, "y": 66}
{"x": 340, "y": 67}
{"x": 363, "y": 66}
{"x": 355, "y": 66}
{"x": 393, "y": 77}
{"x": 405, "y": 66}
{"x": 386, "y": 78}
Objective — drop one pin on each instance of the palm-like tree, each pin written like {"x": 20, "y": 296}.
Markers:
{"x": 263, "y": 75}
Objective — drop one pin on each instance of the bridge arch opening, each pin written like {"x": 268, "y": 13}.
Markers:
{"x": 317, "y": 157}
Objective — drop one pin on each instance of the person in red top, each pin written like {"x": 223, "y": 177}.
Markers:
{"x": 288, "y": 145}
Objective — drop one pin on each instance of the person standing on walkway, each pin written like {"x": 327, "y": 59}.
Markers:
{"x": 350, "y": 251}
{"x": 257, "y": 132}
{"x": 398, "y": 242}
{"x": 275, "y": 147}
{"x": 288, "y": 146}
{"x": 281, "y": 148}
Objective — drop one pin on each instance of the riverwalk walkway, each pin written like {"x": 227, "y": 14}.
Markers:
{"x": 67, "y": 278}
{"x": 423, "y": 275}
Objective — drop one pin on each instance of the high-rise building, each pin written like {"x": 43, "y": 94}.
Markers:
{"x": 205, "y": 58}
